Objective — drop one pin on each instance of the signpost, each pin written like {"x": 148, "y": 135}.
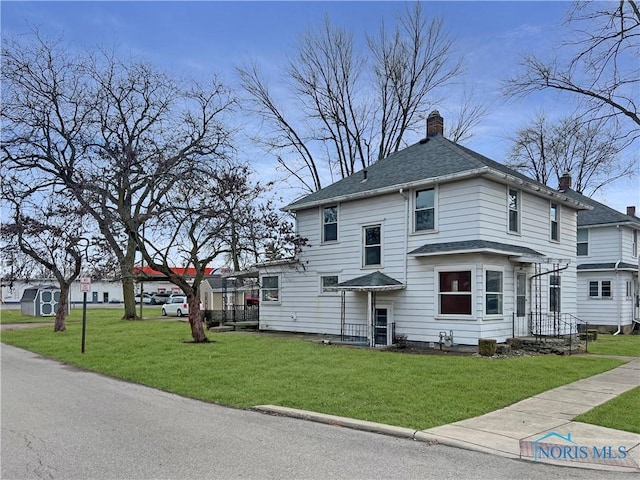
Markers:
{"x": 85, "y": 287}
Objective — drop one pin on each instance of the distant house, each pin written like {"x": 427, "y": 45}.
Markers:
{"x": 607, "y": 256}
{"x": 434, "y": 239}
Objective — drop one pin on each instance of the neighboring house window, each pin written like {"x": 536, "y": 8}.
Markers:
{"x": 328, "y": 281}
{"x": 270, "y": 289}
{"x": 493, "y": 293}
{"x": 583, "y": 242}
{"x": 330, "y": 224}
{"x": 514, "y": 211}
{"x": 634, "y": 245}
{"x": 425, "y": 210}
{"x": 455, "y": 293}
{"x": 554, "y": 213}
{"x": 628, "y": 289}
{"x": 600, "y": 289}
{"x": 372, "y": 245}
{"x": 554, "y": 293}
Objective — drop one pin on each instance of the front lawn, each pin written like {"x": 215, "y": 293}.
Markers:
{"x": 628, "y": 345}
{"x": 620, "y": 413}
{"x": 75, "y": 315}
{"x": 246, "y": 369}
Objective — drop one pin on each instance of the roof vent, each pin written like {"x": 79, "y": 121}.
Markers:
{"x": 424, "y": 140}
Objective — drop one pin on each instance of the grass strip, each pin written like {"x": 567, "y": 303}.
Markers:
{"x": 620, "y": 413}
{"x": 628, "y": 345}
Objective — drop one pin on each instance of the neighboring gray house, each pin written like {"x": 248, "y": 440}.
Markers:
{"x": 434, "y": 239}
{"x": 607, "y": 256}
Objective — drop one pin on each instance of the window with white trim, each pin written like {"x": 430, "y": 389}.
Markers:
{"x": 554, "y": 215}
{"x": 372, "y": 239}
{"x": 513, "y": 200}
{"x": 328, "y": 281}
{"x": 583, "y": 242}
{"x": 330, "y": 224}
{"x": 493, "y": 292}
{"x": 454, "y": 293}
{"x": 629, "y": 289}
{"x": 554, "y": 293}
{"x": 425, "y": 210}
{"x": 270, "y": 289}
{"x": 634, "y": 244}
{"x": 600, "y": 289}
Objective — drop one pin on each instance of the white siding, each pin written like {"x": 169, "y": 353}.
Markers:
{"x": 617, "y": 310}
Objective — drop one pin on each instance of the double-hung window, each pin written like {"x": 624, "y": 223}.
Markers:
{"x": 493, "y": 292}
{"x": 271, "y": 289}
{"x": 425, "y": 209}
{"x": 513, "y": 200}
{"x": 634, "y": 244}
{"x": 330, "y": 224}
{"x": 554, "y": 214}
{"x": 554, "y": 293}
{"x": 583, "y": 242}
{"x": 600, "y": 289}
{"x": 454, "y": 295}
{"x": 372, "y": 237}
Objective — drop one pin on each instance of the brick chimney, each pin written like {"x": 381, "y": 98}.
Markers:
{"x": 435, "y": 124}
{"x": 565, "y": 181}
{"x": 631, "y": 211}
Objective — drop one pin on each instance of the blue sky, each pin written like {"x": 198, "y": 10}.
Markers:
{"x": 198, "y": 39}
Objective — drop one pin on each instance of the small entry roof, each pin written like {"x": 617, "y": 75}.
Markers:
{"x": 376, "y": 281}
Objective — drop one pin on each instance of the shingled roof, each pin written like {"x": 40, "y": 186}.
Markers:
{"x": 433, "y": 158}
{"x": 600, "y": 213}
{"x": 467, "y": 246}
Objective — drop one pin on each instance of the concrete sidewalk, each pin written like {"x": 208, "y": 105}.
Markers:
{"x": 537, "y": 429}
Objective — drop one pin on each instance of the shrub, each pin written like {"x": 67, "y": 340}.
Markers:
{"x": 487, "y": 347}
{"x": 400, "y": 341}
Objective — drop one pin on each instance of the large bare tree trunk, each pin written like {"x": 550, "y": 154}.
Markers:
{"x": 61, "y": 312}
{"x": 195, "y": 320}
{"x": 126, "y": 272}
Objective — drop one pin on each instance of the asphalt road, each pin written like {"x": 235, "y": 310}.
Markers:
{"x": 59, "y": 422}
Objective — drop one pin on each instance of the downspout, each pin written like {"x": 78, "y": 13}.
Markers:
{"x": 406, "y": 234}
{"x": 617, "y": 282}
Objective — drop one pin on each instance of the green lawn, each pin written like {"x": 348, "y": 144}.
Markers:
{"x": 14, "y": 315}
{"x": 628, "y": 345}
{"x": 245, "y": 369}
{"x": 620, "y": 413}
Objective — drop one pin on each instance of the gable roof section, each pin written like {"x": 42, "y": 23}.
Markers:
{"x": 472, "y": 246}
{"x": 375, "y": 281}
{"x": 433, "y": 159}
{"x": 600, "y": 214}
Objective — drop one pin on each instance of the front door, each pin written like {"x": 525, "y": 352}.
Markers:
{"x": 380, "y": 326}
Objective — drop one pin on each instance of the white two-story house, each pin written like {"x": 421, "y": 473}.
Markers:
{"x": 433, "y": 240}
{"x": 607, "y": 264}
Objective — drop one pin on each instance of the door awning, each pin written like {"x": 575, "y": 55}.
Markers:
{"x": 373, "y": 282}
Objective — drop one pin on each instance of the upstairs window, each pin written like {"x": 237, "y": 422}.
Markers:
{"x": 514, "y": 211}
{"x": 634, "y": 244}
{"x": 424, "y": 218}
{"x": 330, "y": 224}
{"x": 554, "y": 216}
{"x": 455, "y": 293}
{"x": 583, "y": 242}
{"x": 372, "y": 245}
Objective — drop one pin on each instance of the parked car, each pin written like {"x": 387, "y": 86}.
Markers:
{"x": 160, "y": 298}
{"x": 146, "y": 298}
{"x": 176, "y": 306}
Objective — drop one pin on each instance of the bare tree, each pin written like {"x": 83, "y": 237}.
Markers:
{"x": 193, "y": 229}
{"x": 359, "y": 106}
{"x": 546, "y": 150}
{"x": 47, "y": 227}
{"x": 600, "y": 64}
{"x": 116, "y": 135}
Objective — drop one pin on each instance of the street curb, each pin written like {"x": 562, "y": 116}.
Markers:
{"x": 417, "y": 435}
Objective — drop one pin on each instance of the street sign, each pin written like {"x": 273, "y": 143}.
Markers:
{"x": 85, "y": 284}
